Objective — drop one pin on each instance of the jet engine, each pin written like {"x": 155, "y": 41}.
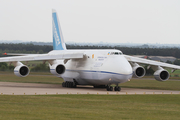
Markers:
{"x": 161, "y": 75}
{"x": 21, "y": 70}
{"x": 138, "y": 71}
{"x": 57, "y": 69}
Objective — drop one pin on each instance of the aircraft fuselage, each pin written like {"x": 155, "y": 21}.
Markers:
{"x": 97, "y": 67}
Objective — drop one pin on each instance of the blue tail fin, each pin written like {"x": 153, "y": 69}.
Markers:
{"x": 58, "y": 41}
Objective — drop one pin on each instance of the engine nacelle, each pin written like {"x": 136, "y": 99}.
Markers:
{"x": 138, "y": 71}
{"x": 161, "y": 75}
{"x": 21, "y": 71}
{"x": 57, "y": 69}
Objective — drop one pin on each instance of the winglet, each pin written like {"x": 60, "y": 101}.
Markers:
{"x": 58, "y": 40}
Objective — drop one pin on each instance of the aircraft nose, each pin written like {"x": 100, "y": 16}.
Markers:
{"x": 125, "y": 70}
{"x": 125, "y": 67}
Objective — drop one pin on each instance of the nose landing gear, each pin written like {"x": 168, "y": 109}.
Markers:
{"x": 117, "y": 88}
{"x": 110, "y": 88}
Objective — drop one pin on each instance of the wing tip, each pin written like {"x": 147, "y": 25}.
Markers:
{"x": 4, "y": 53}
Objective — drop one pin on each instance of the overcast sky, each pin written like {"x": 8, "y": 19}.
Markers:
{"x": 118, "y": 21}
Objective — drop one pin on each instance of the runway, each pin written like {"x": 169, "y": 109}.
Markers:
{"x": 11, "y": 88}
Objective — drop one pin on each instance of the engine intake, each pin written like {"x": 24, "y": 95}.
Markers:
{"x": 57, "y": 69}
{"x": 138, "y": 71}
{"x": 161, "y": 75}
{"x": 21, "y": 71}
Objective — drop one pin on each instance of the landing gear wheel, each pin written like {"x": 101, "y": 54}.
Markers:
{"x": 71, "y": 85}
{"x": 117, "y": 88}
{"x": 107, "y": 88}
{"x": 110, "y": 88}
{"x": 67, "y": 84}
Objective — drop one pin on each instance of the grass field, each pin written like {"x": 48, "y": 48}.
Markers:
{"x": 91, "y": 107}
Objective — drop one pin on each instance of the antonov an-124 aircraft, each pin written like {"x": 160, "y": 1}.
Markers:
{"x": 99, "y": 68}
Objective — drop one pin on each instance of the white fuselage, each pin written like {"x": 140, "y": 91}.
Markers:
{"x": 97, "y": 67}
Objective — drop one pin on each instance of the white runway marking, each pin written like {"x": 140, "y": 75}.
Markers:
{"x": 10, "y": 88}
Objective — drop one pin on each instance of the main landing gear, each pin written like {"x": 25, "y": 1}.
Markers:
{"x": 110, "y": 88}
{"x": 69, "y": 84}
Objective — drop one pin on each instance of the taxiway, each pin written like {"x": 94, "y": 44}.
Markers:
{"x": 11, "y": 88}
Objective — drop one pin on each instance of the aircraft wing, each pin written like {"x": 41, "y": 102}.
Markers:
{"x": 150, "y": 62}
{"x": 17, "y": 54}
{"x": 59, "y": 56}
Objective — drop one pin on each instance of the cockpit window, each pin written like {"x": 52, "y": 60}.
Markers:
{"x": 115, "y": 53}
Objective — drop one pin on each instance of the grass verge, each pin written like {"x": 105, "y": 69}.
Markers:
{"x": 152, "y": 84}
{"x": 47, "y": 78}
{"x": 80, "y": 107}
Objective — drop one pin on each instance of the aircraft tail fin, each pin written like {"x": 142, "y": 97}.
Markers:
{"x": 58, "y": 40}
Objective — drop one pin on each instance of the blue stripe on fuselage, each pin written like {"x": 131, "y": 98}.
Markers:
{"x": 97, "y": 72}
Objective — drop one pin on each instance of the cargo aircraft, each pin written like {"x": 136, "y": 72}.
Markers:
{"x": 96, "y": 67}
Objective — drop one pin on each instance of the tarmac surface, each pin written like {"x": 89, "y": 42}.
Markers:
{"x": 11, "y": 88}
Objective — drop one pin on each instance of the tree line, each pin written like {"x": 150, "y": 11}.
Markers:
{"x": 31, "y": 48}
{"x": 24, "y": 48}
{"x": 175, "y": 52}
